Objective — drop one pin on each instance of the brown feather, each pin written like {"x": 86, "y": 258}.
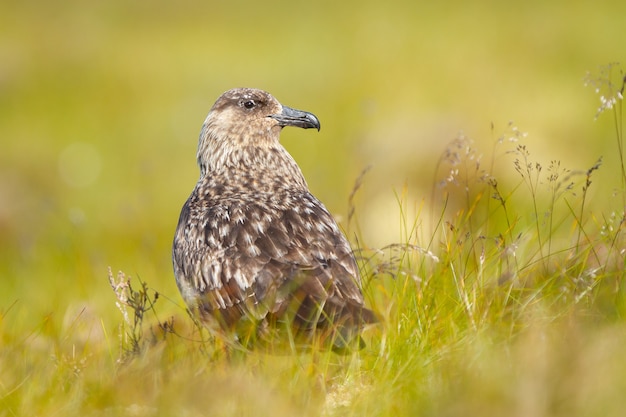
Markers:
{"x": 252, "y": 242}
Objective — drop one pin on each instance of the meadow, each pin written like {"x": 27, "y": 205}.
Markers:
{"x": 492, "y": 250}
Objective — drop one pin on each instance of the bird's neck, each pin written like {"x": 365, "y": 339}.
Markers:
{"x": 262, "y": 167}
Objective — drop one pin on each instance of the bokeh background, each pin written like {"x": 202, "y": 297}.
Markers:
{"x": 101, "y": 104}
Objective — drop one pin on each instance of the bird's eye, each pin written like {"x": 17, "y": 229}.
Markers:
{"x": 249, "y": 104}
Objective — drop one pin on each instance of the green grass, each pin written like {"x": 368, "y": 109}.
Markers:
{"x": 502, "y": 297}
{"x": 495, "y": 259}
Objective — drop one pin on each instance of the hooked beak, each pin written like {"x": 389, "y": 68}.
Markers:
{"x": 298, "y": 118}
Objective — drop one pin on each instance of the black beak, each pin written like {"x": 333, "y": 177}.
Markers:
{"x": 298, "y": 118}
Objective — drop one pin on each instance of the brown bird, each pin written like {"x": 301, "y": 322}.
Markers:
{"x": 253, "y": 247}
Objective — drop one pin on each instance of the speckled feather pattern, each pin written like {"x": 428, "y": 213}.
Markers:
{"x": 251, "y": 236}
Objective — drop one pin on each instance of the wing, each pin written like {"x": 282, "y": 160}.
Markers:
{"x": 250, "y": 256}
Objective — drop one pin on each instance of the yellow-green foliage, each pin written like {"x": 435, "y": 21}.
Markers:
{"x": 497, "y": 268}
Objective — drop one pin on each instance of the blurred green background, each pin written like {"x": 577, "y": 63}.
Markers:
{"x": 101, "y": 104}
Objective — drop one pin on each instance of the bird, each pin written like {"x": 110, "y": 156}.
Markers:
{"x": 254, "y": 249}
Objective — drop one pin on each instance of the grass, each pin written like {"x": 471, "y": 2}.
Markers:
{"x": 504, "y": 296}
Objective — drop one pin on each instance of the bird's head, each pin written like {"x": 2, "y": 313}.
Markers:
{"x": 245, "y": 118}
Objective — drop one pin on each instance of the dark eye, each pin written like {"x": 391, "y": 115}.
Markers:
{"x": 249, "y": 104}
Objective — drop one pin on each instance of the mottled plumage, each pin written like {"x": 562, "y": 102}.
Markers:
{"x": 253, "y": 244}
